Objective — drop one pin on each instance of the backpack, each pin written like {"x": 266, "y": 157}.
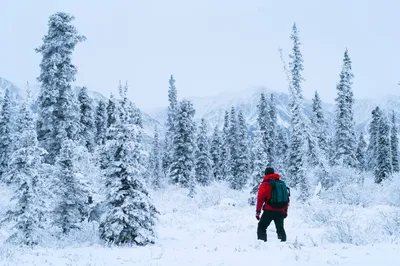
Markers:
{"x": 280, "y": 194}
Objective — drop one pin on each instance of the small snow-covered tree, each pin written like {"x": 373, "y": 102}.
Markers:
{"x": 383, "y": 167}
{"x": 71, "y": 196}
{"x": 241, "y": 160}
{"x": 58, "y": 117}
{"x": 394, "y": 142}
{"x": 130, "y": 217}
{"x": 203, "y": 165}
{"x": 225, "y": 149}
{"x": 361, "y": 152}
{"x": 183, "y": 145}
{"x": 25, "y": 173}
{"x": 155, "y": 162}
{"x": 372, "y": 151}
{"x": 263, "y": 118}
{"x": 318, "y": 123}
{"x": 170, "y": 125}
{"x": 111, "y": 111}
{"x": 101, "y": 123}
{"x": 6, "y": 134}
{"x": 272, "y": 123}
{"x": 282, "y": 148}
{"x": 260, "y": 162}
{"x": 216, "y": 154}
{"x": 345, "y": 137}
{"x": 87, "y": 127}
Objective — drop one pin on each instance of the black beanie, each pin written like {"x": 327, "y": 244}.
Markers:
{"x": 269, "y": 170}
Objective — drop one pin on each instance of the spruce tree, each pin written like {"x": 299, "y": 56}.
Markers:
{"x": 216, "y": 154}
{"x": 263, "y": 118}
{"x": 383, "y": 167}
{"x": 203, "y": 161}
{"x": 130, "y": 216}
{"x": 6, "y": 134}
{"x": 282, "y": 148}
{"x": 272, "y": 131}
{"x": 226, "y": 149}
{"x": 372, "y": 151}
{"x": 241, "y": 161}
{"x": 155, "y": 162}
{"x": 71, "y": 196}
{"x": 296, "y": 158}
{"x": 57, "y": 108}
{"x": 25, "y": 172}
{"x": 101, "y": 123}
{"x": 111, "y": 111}
{"x": 345, "y": 138}
{"x": 260, "y": 162}
{"x": 170, "y": 125}
{"x": 87, "y": 122}
{"x": 232, "y": 138}
{"x": 361, "y": 152}
{"x": 183, "y": 145}
{"x": 394, "y": 142}
{"x": 318, "y": 123}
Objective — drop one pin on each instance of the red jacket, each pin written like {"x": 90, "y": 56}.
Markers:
{"x": 264, "y": 194}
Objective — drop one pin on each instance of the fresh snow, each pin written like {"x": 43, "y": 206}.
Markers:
{"x": 218, "y": 227}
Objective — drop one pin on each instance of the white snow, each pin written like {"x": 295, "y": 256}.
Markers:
{"x": 218, "y": 227}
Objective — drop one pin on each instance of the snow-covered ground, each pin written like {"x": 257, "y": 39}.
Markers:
{"x": 218, "y": 227}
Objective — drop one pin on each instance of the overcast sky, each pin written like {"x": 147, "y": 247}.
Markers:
{"x": 210, "y": 46}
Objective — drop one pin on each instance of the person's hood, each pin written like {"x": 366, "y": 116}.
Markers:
{"x": 274, "y": 176}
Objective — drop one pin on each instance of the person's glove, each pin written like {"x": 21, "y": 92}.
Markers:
{"x": 258, "y": 216}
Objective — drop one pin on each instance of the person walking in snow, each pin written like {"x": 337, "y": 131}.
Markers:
{"x": 273, "y": 198}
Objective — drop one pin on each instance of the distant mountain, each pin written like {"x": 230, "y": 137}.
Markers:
{"x": 18, "y": 94}
{"x": 212, "y": 108}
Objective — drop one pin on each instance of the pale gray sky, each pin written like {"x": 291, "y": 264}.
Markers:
{"x": 209, "y": 46}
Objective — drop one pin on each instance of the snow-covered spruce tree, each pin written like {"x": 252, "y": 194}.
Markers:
{"x": 101, "y": 123}
{"x": 170, "y": 125}
{"x": 130, "y": 217}
{"x": 297, "y": 156}
{"x": 282, "y": 148}
{"x": 58, "y": 117}
{"x": 111, "y": 111}
{"x": 232, "y": 138}
{"x": 394, "y": 142}
{"x": 345, "y": 138}
{"x": 241, "y": 160}
{"x": 383, "y": 167}
{"x": 203, "y": 165}
{"x": 226, "y": 149}
{"x": 318, "y": 123}
{"x": 372, "y": 150}
{"x": 87, "y": 127}
{"x": 183, "y": 145}
{"x": 6, "y": 134}
{"x": 216, "y": 154}
{"x": 25, "y": 172}
{"x": 71, "y": 197}
{"x": 263, "y": 118}
{"x": 155, "y": 162}
{"x": 272, "y": 123}
{"x": 260, "y": 162}
{"x": 361, "y": 152}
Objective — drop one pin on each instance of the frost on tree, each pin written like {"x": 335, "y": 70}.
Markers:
{"x": 203, "y": 165}
{"x": 372, "y": 151}
{"x": 183, "y": 145}
{"x": 263, "y": 117}
{"x": 6, "y": 134}
{"x": 130, "y": 217}
{"x": 216, "y": 154}
{"x": 241, "y": 160}
{"x": 345, "y": 137}
{"x": 383, "y": 168}
{"x": 111, "y": 111}
{"x": 394, "y": 142}
{"x": 70, "y": 194}
{"x": 87, "y": 122}
{"x": 101, "y": 123}
{"x": 25, "y": 173}
{"x": 57, "y": 108}
{"x": 318, "y": 123}
{"x": 296, "y": 157}
{"x": 361, "y": 152}
{"x": 170, "y": 125}
{"x": 155, "y": 162}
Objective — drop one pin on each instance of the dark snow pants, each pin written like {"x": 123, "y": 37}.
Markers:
{"x": 266, "y": 218}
